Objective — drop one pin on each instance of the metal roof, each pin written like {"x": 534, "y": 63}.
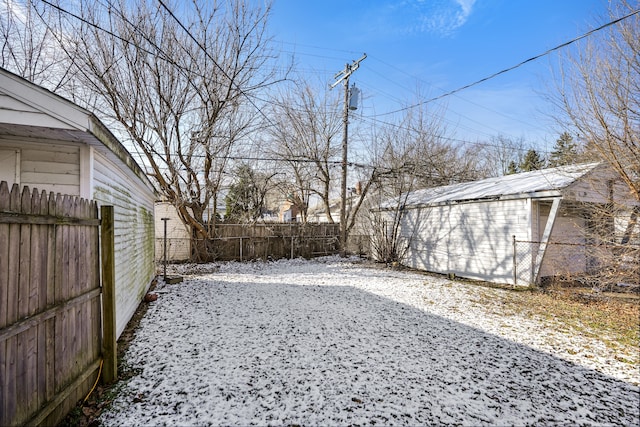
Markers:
{"x": 522, "y": 184}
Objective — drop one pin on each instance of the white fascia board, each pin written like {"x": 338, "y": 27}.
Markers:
{"x": 69, "y": 115}
{"x": 551, "y": 194}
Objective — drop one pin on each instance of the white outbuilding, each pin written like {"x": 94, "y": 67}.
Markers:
{"x": 514, "y": 229}
{"x": 52, "y": 144}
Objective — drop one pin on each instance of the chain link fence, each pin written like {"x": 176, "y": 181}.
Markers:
{"x": 598, "y": 265}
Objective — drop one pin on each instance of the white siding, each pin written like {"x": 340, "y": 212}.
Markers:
{"x": 9, "y": 161}
{"x": 473, "y": 240}
{"x": 565, "y": 253}
{"x": 178, "y": 237}
{"x": 17, "y": 112}
{"x": 134, "y": 234}
{"x": 48, "y": 165}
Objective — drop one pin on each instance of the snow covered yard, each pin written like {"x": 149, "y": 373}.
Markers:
{"x": 332, "y": 342}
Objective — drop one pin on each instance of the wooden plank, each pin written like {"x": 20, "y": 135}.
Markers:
{"x": 41, "y": 371}
{"x": 88, "y": 375}
{"x": 13, "y": 268}
{"x": 35, "y": 251}
{"x": 55, "y": 153}
{"x": 47, "y": 167}
{"x": 22, "y": 409}
{"x": 4, "y": 416}
{"x": 31, "y": 364}
{"x": 30, "y": 322}
{"x": 110, "y": 366}
{"x": 10, "y": 371}
{"x": 51, "y": 247}
{"x": 19, "y": 218}
{"x": 4, "y": 257}
{"x": 50, "y": 351}
{"x": 59, "y": 252}
{"x": 73, "y": 251}
{"x": 7, "y": 403}
{"x": 61, "y": 359}
{"x": 66, "y": 243}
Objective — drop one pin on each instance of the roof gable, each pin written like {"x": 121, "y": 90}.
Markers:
{"x": 24, "y": 103}
{"x": 33, "y": 111}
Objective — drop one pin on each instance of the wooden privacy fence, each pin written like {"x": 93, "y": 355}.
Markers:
{"x": 50, "y": 308}
{"x": 263, "y": 241}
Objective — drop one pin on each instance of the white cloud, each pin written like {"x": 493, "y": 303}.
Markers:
{"x": 411, "y": 17}
{"x": 441, "y": 17}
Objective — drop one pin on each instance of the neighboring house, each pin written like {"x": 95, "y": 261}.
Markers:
{"x": 318, "y": 213}
{"x": 469, "y": 229}
{"x": 178, "y": 235}
{"x": 289, "y": 212}
{"x": 50, "y": 143}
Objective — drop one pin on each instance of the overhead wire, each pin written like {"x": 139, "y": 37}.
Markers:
{"x": 206, "y": 52}
{"x": 443, "y": 90}
{"x": 372, "y": 118}
{"x": 506, "y": 70}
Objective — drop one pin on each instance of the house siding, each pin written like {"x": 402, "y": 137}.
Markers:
{"x": 134, "y": 234}
{"x": 471, "y": 240}
{"x": 49, "y": 165}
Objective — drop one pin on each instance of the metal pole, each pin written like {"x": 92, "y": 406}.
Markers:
{"x": 164, "y": 275}
{"x": 515, "y": 263}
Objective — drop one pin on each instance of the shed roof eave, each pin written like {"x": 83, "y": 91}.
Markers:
{"x": 108, "y": 140}
{"x": 550, "y": 194}
{"x": 68, "y": 114}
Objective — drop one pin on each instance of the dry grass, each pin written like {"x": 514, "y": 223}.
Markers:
{"x": 613, "y": 319}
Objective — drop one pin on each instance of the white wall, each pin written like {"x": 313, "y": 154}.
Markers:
{"x": 178, "y": 236}
{"x": 46, "y": 165}
{"x": 9, "y": 165}
{"x": 473, "y": 240}
{"x": 134, "y": 234}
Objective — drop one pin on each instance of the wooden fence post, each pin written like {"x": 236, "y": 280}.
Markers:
{"x": 109, "y": 344}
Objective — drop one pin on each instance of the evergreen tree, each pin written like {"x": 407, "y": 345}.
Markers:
{"x": 565, "y": 151}
{"x": 532, "y": 162}
{"x": 245, "y": 200}
{"x": 512, "y": 168}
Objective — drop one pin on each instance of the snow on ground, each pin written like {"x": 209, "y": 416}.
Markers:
{"x": 330, "y": 342}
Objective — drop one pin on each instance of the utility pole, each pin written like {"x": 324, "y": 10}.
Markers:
{"x": 343, "y": 76}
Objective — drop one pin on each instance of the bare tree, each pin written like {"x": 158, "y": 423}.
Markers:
{"x": 306, "y": 136}
{"x": 500, "y": 153}
{"x": 598, "y": 91}
{"x": 180, "y": 86}
{"x": 29, "y": 48}
{"x": 414, "y": 154}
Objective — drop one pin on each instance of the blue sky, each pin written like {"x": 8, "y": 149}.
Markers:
{"x": 435, "y": 46}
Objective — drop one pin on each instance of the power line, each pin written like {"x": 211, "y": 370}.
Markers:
{"x": 445, "y": 138}
{"x": 506, "y": 70}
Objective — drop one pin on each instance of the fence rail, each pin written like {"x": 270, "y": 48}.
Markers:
{"x": 50, "y": 309}
{"x": 242, "y": 242}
